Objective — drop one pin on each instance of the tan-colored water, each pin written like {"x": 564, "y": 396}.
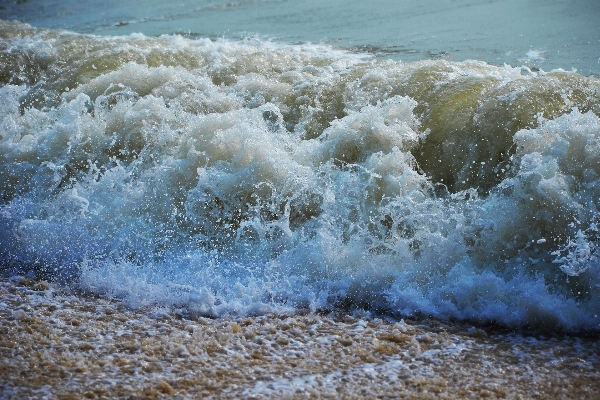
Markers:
{"x": 54, "y": 344}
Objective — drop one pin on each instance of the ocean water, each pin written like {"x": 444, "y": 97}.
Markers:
{"x": 417, "y": 159}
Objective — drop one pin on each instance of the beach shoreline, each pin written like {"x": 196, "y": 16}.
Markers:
{"x": 243, "y": 200}
{"x": 58, "y": 344}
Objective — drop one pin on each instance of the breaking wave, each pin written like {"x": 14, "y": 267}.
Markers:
{"x": 240, "y": 177}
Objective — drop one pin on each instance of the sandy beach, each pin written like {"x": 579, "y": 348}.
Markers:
{"x": 241, "y": 199}
{"x": 55, "y": 343}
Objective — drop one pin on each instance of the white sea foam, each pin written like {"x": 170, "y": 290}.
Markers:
{"x": 246, "y": 177}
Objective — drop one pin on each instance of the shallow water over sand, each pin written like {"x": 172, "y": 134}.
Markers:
{"x": 57, "y": 343}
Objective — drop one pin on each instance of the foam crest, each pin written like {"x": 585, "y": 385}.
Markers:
{"x": 235, "y": 177}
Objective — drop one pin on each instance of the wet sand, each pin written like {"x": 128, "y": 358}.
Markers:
{"x": 55, "y": 343}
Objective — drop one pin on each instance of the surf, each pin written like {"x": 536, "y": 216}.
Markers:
{"x": 234, "y": 177}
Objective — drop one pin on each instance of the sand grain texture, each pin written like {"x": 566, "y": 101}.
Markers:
{"x": 57, "y": 344}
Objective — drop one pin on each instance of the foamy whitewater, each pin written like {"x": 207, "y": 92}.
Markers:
{"x": 237, "y": 177}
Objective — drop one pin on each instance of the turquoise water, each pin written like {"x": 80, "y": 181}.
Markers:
{"x": 557, "y": 34}
{"x": 242, "y": 158}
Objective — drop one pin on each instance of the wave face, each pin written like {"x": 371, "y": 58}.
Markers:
{"x": 241, "y": 177}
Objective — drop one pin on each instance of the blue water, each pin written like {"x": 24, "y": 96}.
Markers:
{"x": 406, "y": 158}
{"x": 557, "y": 34}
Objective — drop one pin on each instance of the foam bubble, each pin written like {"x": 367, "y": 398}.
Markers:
{"x": 245, "y": 177}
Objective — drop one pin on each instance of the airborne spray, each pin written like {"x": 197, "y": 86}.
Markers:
{"x": 241, "y": 177}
